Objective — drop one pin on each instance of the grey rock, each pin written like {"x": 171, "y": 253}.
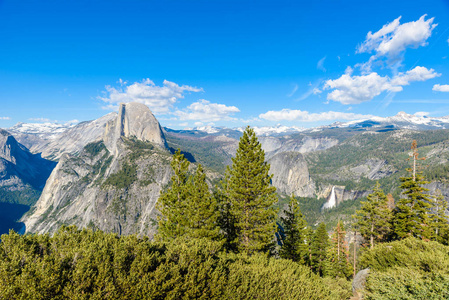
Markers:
{"x": 133, "y": 120}
{"x": 359, "y": 281}
{"x": 291, "y": 175}
{"x": 78, "y": 191}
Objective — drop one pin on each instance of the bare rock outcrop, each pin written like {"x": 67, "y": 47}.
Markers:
{"x": 113, "y": 183}
{"x": 133, "y": 120}
{"x": 291, "y": 175}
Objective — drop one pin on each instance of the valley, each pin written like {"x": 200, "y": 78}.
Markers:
{"x": 108, "y": 173}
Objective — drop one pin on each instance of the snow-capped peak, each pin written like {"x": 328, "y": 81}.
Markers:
{"x": 40, "y": 129}
{"x": 273, "y": 130}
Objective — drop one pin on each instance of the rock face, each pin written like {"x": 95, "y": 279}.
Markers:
{"x": 112, "y": 193}
{"x": 71, "y": 140}
{"x": 134, "y": 120}
{"x": 291, "y": 175}
{"x": 358, "y": 283}
{"x": 19, "y": 168}
{"x": 303, "y": 144}
{"x": 112, "y": 184}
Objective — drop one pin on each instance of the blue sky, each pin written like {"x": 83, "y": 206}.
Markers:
{"x": 224, "y": 63}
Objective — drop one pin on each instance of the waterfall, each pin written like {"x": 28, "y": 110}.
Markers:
{"x": 332, "y": 200}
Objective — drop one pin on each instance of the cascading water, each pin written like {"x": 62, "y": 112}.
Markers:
{"x": 332, "y": 200}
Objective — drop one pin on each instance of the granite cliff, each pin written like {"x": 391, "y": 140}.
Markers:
{"x": 113, "y": 183}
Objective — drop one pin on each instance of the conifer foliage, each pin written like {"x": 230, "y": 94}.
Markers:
{"x": 438, "y": 218}
{"x": 318, "y": 250}
{"x": 295, "y": 244}
{"x": 202, "y": 212}
{"x": 338, "y": 256}
{"x": 187, "y": 206}
{"x": 252, "y": 196}
{"x": 172, "y": 204}
{"x": 373, "y": 218}
{"x": 411, "y": 215}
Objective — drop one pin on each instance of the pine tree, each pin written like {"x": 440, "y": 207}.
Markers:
{"x": 226, "y": 220}
{"x": 252, "y": 197}
{"x": 318, "y": 250}
{"x": 187, "y": 207}
{"x": 202, "y": 211}
{"x": 295, "y": 243}
{"x": 172, "y": 204}
{"x": 338, "y": 264}
{"x": 439, "y": 219}
{"x": 373, "y": 218}
{"x": 411, "y": 215}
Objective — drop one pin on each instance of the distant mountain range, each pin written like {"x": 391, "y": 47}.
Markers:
{"x": 109, "y": 172}
{"x": 50, "y": 131}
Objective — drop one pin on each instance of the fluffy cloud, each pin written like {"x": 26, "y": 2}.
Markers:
{"x": 349, "y": 89}
{"x": 421, "y": 113}
{"x": 305, "y": 116}
{"x": 393, "y": 38}
{"x": 205, "y": 111}
{"x": 5, "y": 118}
{"x": 441, "y": 88}
{"x": 416, "y": 74}
{"x": 158, "y": 98}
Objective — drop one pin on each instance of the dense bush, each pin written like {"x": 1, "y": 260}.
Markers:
{"x": 87, "y": 264}
{"x": 407, "y": 269}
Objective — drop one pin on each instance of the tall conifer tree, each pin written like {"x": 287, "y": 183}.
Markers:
{"x": 295, "y": 244}
{"x": 411, "y": 215}
{"x": 226, "y": 220}
{"x": 202, "y": 210}
{"x": 338, "y": 264}
{"x": 187, "y": 207}
{"x": 252, "y": 197}
{"x": 439, "y": 219}
{"x": 172, "y": 204}
{"x": 373, "y": 218}
{"x": 318, "y": 250}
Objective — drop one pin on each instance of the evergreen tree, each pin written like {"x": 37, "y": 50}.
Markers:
{"x": 411, "y": 215}
{"x": 294, "y": 245}
{"x": 373, "y": 218}
{"x": 226, "y": 220}
{"x": 172, "y": 204}
{"x": 318, "y": 250}
{"x": 202, "y": 211}
{"x": 338, "y": 264}
{"x": 439, "y": 219}
{"x": 252, "y": 197}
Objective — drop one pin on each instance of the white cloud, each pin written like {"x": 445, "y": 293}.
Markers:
{"x": 393, "y": 38}
{"x": 205, "y": 111}
{"x": 350, "y": 89}
{"x": 5, "y": 118}
{"x": 421, "y": 113}
{"x": 305, "y": 116}
{"x": 441, "y": 88}
{"x": 320, "y": 64}
{"x": 416, "y": 74}
{"x": 158, "y": 98}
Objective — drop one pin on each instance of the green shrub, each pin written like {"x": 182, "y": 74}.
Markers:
{"x": 74, "y": 264}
